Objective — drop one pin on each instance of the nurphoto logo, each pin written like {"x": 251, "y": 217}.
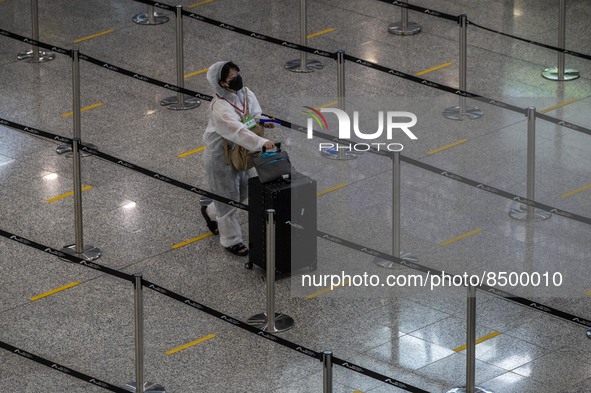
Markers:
{"x": 391, "y": 119}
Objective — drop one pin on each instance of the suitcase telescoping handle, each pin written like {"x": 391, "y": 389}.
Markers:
{"x": 277, "y": 147}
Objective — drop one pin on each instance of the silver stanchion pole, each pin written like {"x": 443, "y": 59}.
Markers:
{"x": 470, "y": 348}
{"x": 280, "y": 322}
{"x": 35, "y": 55}
{"x": 327, "y": 374}
{"x": 340, "y": 152}
{"x": 150, "y": 18}
{"x": 87, "y": 252}
{"x": 458, "y": 112}
{"x": 520, "y": 211}
{"x": 180, "y": 102}
{"x": 138, "y": 301}
{"x": 404, "y": 27}
{"x": 303, "y": 64}
{"x": 560, "y": 73}
{"x": 396, "y": 221}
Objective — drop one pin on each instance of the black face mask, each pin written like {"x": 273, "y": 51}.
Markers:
{"x": 236, "y": 83}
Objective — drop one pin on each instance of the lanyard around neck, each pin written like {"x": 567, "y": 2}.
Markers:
{"x": 235, "y": 107}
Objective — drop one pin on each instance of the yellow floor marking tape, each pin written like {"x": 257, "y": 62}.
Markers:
{"x": 588, "y": 293}
{"x": 455, "y": 239}
{"x": 573, "y": 192}
{"x": 67, "y": 194}
{"x": 53, "y": 291}
{"x": 478, "y": 341}
{"x": 188, "y": 345}
{"x": 326, "y": 290}
{"x": 331, "y": 189}
{"x": 192, "y": 152}
{"x": 321, "y": 33}
{"x": 447, "y": 146}
{"x": 65, "y": 115}
{"x": 433, "y": 69}
{"x": 90, "y": 37}
{"x": 190, "y": 74}
{"x": 201, "y": 3}
{"x": 193, "y": 240}
{"x": 565, "y": 103}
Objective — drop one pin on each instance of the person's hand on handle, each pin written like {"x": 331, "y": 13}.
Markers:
{"x": 269, "y": 145}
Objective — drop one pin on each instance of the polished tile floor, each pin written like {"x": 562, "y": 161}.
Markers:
{"x": 413, "y": 334}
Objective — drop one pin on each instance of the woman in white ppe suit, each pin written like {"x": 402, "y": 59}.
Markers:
{"x": 225, "y": 123}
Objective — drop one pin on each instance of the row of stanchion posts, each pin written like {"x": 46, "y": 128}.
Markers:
{"x": 404, "y": 27}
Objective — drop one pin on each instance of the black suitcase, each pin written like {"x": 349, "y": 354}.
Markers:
{"x": 294, "y": 202}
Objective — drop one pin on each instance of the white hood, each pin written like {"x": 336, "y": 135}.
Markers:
{"x": 214, "y": 75}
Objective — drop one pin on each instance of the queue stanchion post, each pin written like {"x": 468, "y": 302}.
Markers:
{"x": 303, "y": 65}
{"x": 470, "y": 386}
{"x": 180, "y": 101}
{"x": 340, "y": 152}
{"x": 138, "y": 306}
{"x": 520, "y": 211}
{"x": 68, "y": 149}
{"x": 404, "y": 27}
{"x": 462, "y": 110}
{"x": 561, "y": 73}
{"x": 270, "y": 321}
{"x": 151, "y": 17}
{"x": 396, "y": 219}
{"x": 34, "y": 55}
{"x": 327, "y": 372}
{"x": 79, "y": 249}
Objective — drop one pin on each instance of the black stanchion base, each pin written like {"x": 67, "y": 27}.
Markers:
{"x": 144, "y": 19}
{"x": 310, "y": 66}
{"x": 282, "y": 322}
{"x": 187, "y": 103}
{"x": 89, "y": 253}
{"x": 519, "y": 212}
{"x": 412, "y": 28}
{"x": 553, "y": 75}
{"x": 453, "y": 113}
{"x": 43, "y": 56}
{"x": 407, "y": 256}
{"x": 149, "y": 387}
{"x": 67, "y": 149}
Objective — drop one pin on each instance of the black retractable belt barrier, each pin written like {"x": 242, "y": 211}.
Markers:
{"x": 430, "y": 271}
{"x": 242, "y": 31}
{"x": 493, "y": 190}
{"x": 356, "y": 60}
{"x": 555, "y": 48}
{"x": 423, "y": 10}
{"x": 144, "y": 78}
{"x": 63, "y": 369}
{"x": 35, "y": 42}
{"x": 123, "y": 163}
{"x": 185, "y": 300}
{"x": 155, "y": 175}
{"x": 69, "y": 257}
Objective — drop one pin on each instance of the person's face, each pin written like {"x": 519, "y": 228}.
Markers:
{"x": 231, "y": 76}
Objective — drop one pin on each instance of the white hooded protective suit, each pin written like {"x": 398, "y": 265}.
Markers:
{"x": 223, "y": 179}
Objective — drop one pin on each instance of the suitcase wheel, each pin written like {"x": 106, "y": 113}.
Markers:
{"x": 248, "y": 265}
